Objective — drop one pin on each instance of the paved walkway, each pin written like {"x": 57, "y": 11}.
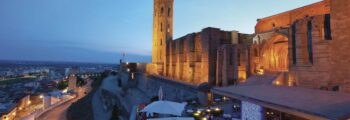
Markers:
{"x": 59, "y": 113}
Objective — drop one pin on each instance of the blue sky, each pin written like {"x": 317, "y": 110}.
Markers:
{"x": 100, "y": 30}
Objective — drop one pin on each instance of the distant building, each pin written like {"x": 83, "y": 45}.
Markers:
{"x": 67, "y": 71}
{"x": 72, "y": 82}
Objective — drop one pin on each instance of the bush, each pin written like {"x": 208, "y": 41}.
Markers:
{"x": 62, "y": 85}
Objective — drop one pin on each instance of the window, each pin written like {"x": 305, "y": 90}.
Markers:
{"x": 161, "y": 42}
{"x": 161, "y": 11}
{"x": 169, "y": 10}
{"x": 327, "y": 27}
{"x": 256, "y": 52}
{"x": 161, "y": 27}
{"x": 294, "y": 50}
{"x": 309, "y": 40}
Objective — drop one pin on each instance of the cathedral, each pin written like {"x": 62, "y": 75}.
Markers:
{"x": 305, "y": 47}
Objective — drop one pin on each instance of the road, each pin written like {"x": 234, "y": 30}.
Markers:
{"x": 59, "y": 113}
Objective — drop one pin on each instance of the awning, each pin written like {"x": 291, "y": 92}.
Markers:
{"x": 165, "y": 107}
{"x": 302, "y": 102}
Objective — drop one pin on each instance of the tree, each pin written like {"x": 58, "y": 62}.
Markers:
{"x": 80, "y": 81}
{"x": 62, "y": 85}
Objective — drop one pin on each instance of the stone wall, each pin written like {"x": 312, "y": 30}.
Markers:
{"x": 340, "y": 55}
{"x": 172, "y": 90}
{"x": 308, "y": 73}
{"x": 285, "y": 19}
{"x": 192, "y": 58}
{"x": 232, "y": 64}
{"x": 227, "y": 65}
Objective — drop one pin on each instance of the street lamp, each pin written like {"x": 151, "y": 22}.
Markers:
{"x": 42, "y": 97}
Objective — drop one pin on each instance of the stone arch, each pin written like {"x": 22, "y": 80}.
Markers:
{"x": 274, "y": 54}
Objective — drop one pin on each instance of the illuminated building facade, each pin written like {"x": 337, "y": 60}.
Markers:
{"x": 191, "y": 58}
{"x": 302, "y": 47}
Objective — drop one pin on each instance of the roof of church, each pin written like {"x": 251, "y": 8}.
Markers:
{"x": 302, "y": 102}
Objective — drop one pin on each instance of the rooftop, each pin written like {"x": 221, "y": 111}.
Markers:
{"x": 307, "y": 103}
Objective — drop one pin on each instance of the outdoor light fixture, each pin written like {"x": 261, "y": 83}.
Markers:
{"x": 208, "y": 110}
{"x": 278, "y": 83}
{"x": 196, "y": 114}
{"x": 224, "y": 98}
{"x": 41, "y": 96}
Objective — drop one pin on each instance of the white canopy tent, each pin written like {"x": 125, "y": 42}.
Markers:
{"x": 165, "y": 107}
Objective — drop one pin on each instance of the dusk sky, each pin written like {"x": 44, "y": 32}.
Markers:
{"x": 101, "y": 30}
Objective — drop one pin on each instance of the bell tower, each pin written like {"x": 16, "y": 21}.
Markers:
{"x": 162, "y": 32}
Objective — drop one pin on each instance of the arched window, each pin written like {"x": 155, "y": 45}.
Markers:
{"x": 161, "y": 10}
{"x": 161, "y": 27}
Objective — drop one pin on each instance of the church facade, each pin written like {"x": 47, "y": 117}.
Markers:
{"x": 304, "y": 47}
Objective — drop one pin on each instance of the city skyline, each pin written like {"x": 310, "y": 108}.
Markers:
{"x": 101, "y": 31}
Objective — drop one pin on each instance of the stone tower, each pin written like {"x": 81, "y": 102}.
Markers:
{"x": 162, "y": 32}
